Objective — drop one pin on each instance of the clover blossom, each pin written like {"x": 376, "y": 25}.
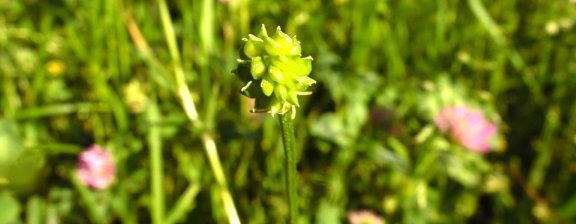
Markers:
{"x": 467, "y": 126}
{"x": 364, "y": 217}
{"x": 274, "y": 72}
{"x": 96, "y": 168}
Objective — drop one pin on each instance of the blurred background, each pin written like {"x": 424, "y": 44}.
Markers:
{"x": 372, "y": 139}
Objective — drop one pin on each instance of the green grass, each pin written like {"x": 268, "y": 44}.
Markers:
{"x": 188, "y": 151}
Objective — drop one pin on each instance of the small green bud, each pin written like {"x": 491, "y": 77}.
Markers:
{"x": 267, "y": 87}
{"x": 293, "y": 98}
{"x": 306, "y": 81}
{"x": 257, "y": 67}
{"x": 282, "y": 44}
{"x": 276, "y": 74}
{"x": 253, "y": 46}
{"x": 282, "y": 92}
{"x": 275, "y": 63}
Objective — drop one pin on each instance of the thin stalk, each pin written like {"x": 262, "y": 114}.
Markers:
{"x": 192, "y": 114}
{"x": 213, "y": 158}
{"x": 95, "y": 213}
{"x": 59, "y": 109}
{"x": 291, "y": 176}
{"x": 156, "y": 172}
{"x": 184, "y": 204}
{"x": 35, "y": 210}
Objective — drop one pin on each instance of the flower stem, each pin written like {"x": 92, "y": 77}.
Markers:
{"x": 156, "y": 172}
{"x": 287, "y": 124}
{"x": 187, "y": 103}
{"x": 95, "y": 213}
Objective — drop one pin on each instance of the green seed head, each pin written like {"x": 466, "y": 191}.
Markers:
{"x": 274, "y": 72}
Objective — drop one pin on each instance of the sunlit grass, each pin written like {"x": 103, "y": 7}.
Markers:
{"x": 152, "y": 82}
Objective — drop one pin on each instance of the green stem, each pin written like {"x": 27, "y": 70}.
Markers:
{"x": 190, "y": 111}
{"x": 184, "y": 204}
{"x": 156, "y": 173}
{"x": 287, "y": 124}
{"x": 95, "y": 213}
{"x": 58, "y": 109}
{"x": 216, "y": 165}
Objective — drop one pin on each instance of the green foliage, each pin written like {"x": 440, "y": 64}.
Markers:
{"x": 9, "y": 208}
{"x": 78, "y": 72}
{"x": 20, "y": 165}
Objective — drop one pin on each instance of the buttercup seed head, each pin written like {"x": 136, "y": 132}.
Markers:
{"x": 274, "y": 72}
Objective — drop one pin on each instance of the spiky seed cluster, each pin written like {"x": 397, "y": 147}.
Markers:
{"x": 274, "y": 72}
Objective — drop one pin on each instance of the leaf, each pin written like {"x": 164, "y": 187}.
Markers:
{"x": 35, "y": 210}
{"x": 458, "y": 171}
{"x": 328, "y": 213}
{"x": 9, "y": 208}
{"x": 331, "y": 127}
{"x": 19, "y": 166}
